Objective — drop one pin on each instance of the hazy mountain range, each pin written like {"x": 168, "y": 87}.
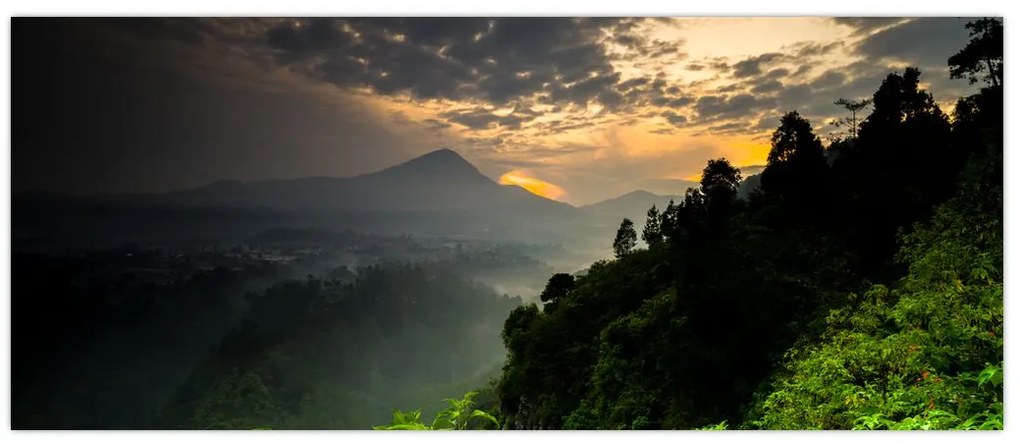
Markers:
{"x": 436, "y": 193}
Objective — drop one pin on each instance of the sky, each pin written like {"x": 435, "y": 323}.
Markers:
{"x": 575, "y": 109}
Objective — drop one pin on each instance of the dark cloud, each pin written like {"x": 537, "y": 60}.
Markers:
{"x": 814, "y": 49}
{"x": 495, "y": 60}
{"x": 675, "y": 119}
{"x": 728, "y": 128}
{"x": 302, "y": 38}
{"x": 777, "y": 73}
{"x": 831, "y": 78}
{"x": 924, "y": 42}
{"x": 586, "y": 90}
{"x": 435, "y": 124}
{"x": 480, "y": 118}
{"x": 640, "y": 47}
{"x": 659, "y": 92}
{"x": 752, "y": 66}
{"x": 712, "y": 108}
{"x": 633, "y": 83}
{"x": 767, "y": 87}
{"x": 662, "y": 48}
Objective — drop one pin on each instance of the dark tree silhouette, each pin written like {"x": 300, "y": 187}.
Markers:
{"x": 558, "y": 286}
{"x": 667, "y": 220}
{"x": 853, "y": 107}
{"x": 652, "y": 233}
{"x": 720, "y": 180}
{"x": 626, "y": 238}
{"x": 796, "y": 170}
{"x": 983, "y": 54}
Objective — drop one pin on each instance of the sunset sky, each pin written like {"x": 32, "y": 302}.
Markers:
{"x": 579, "y": 110}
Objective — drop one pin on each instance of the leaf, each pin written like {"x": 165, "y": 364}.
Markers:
{"x": 479, "y": 414}
{"x": 992, "y": 374}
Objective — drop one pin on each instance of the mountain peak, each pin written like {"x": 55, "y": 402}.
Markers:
{"x": 444, "y": 156}
{"x": 444, "y": 162}
{"x": 639, "y": 193}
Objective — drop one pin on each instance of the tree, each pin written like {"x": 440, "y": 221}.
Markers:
{"x": 626, "y": 238}
{"x": 793, "y": 140}
{"x": 983, "y": 54}
{"x": 796, "y": 170}
{"x": 720, "y": 180}
{"x": 652, "y": 233}
{"x": 558, "y": 286}
{"x": 667, "y": 220}
{"x": 853, "y": 107}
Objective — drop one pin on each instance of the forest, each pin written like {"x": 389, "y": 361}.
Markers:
{"x": 860, "y": 286}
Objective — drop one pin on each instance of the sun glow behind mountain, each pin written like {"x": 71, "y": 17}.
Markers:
{"x": 531, "y": 184}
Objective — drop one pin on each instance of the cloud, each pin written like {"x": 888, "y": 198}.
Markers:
{"x": 492, "y": 60}
{"x": 814, "y": 49}
{"x": 752, "y": 66}
{"x": 767, "y": 87}
{"x": 829, "y": 79}
{"x": 924, "y": 42}
{"x": 481, "y": 118}
{"x": 720, "y": 107}
{"x": 865, "y": 25}
{"x": 728, "y": 128}
{"x": 675, "y": 119}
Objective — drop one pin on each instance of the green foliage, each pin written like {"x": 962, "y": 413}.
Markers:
{"x": 239, "y": 401}
{"x": 720, "y": 426}
{"x": 926, "y": 354}
{"x": 457, "y": 416}
{"x": 409, "y": 421}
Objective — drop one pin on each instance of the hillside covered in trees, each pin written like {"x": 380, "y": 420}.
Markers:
{"x": 859, "y": 287}
{"x": 339, "y": 354}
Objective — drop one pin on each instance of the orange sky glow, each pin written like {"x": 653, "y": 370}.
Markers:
{"x": 533, "y": 185}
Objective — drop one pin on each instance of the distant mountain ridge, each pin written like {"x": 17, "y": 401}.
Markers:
{"x": 633, "y": 205}
{"x": 438, "y": 193}
{"x": 440, "y": 180}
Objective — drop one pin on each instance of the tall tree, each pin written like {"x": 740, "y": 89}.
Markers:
{"x": 853, "y": 106}
{"x": 983, "y": 54}
{"x": 652, "y": 233}
{"x": 626, "y": 238}
{"x": 796, "y": 170}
